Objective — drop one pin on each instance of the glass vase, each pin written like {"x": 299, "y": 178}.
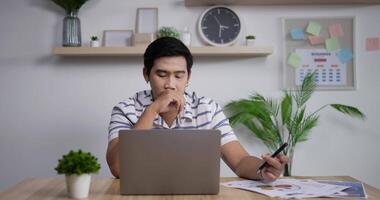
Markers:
{"x": 288, "y": 166}
{"x": 71, "y": 30}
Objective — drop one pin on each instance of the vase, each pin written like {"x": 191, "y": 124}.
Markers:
{"x": 71, "y": 30}
{"x": 288, "y": 166}
{"x": 78, "y": 186}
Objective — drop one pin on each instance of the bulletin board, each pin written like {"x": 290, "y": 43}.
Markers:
{"x": 324, "y": 45}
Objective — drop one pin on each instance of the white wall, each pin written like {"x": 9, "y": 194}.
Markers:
{"x": 49, "y": 104}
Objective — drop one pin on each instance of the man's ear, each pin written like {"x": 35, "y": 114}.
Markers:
{"x": 145, "y": 73}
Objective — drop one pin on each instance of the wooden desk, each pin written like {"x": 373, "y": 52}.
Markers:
{"x": 54, "y": 188}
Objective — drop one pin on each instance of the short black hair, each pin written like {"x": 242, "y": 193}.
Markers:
{"x": 166, "y": 47}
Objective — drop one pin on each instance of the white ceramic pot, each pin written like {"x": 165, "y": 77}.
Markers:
{"x": 78, "y": 187}
{"x": 250, "y": 42}
{"x": 94, "y": 43}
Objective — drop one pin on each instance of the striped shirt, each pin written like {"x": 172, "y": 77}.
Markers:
{"x": 198, "y": 113}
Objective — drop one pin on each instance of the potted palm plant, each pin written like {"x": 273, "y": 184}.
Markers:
{"x": 275, "y": 122}
{"x": 78, "y": 167}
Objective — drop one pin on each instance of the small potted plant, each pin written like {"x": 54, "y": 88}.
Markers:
{"x": 94, "y": 41}
{"x": 166, "y": 31}
{"x": 250, "y": 40}
{"x": 78, "y": 167}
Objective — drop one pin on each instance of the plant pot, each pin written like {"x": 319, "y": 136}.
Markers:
{"x": 78, "y": 187}
{"x": 94, "y": 43}
{"x": 249, "y": 42}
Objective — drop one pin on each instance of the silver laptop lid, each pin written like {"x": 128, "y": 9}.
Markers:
{"x": 162, "y": 161}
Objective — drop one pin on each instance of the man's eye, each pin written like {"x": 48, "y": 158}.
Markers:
{"x": 179, "y": 76}
{"x": 161, "y": 74}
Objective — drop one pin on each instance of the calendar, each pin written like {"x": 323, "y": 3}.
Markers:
{"x": 321, "y": 45}
{"x": 329, "y": 70}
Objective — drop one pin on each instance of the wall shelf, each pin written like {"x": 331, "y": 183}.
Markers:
{"x": 275, "y": 2}
{"x": 233, "y": 51}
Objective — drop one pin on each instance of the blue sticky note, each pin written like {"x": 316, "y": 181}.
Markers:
{"x": 345, "y": 55}
{"x": 297, "y": 34}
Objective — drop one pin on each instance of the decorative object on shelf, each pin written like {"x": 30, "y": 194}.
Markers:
{"x": 219, "y": 26}
{"x": 94, "y": 41}
{"x": 275, "y": 122}
{"x": 71, "y": 34}
{"x": 78, "y": 167}
{"x": 146, "y": 20}
{"x": 186, "y": 36}
{"x": 250, "y": 40}
{"x": 168, "y": 31}
{"x": 143, "y": 39}
{"x": 117, "y": 38}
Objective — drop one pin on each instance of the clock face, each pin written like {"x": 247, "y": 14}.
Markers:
{"x": 219, "y": 26}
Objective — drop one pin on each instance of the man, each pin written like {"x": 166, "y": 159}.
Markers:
{"x": 167, "y": 67}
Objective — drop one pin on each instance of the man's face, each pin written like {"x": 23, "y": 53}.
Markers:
{"x": 168, "y": 73}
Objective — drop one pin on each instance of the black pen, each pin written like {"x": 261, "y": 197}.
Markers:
{"x": 282, "y": 147}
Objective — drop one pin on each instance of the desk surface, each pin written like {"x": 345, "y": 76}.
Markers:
{"x": 54, "y": 188}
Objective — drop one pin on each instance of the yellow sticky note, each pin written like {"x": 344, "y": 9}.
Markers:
{"x": 294, "y": 60}
{"x": 332, "y": 44}
{"x": 314, "y": 28}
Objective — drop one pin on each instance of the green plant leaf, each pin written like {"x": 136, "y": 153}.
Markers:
{"x": 305, "y": 127}
{"x": 349, "y": 110}
{"x": 70, "y": 5}
{"x": 77, "y": 162}
{"x": 286, "y": 108}
{"x": 306, "y": 90}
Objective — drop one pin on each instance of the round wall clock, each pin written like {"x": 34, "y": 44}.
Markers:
{"x": 219, "y": 26}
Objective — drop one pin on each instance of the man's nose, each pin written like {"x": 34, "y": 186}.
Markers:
{"x": 170, "y": 83}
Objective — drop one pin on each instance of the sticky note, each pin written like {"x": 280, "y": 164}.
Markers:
{"x": 294, "y": 60}
{"x": 332, "y": 44}
{"x": 297, "y": 34}
{"x": 314, "y": 28}
{"x": 315, "y": 40}
{"x": 336, "y": 30}
{"x": 373, "y": 44}
{"x": 345, "y": 55}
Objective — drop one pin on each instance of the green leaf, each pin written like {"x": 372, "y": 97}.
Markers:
{"x": 306, "y": 90}
{"x": 77, "y": 162}
{"x": 305, "y": 127}
{"x": 70, "y": 5}
{"x": 349, "y": 110}
{"x": 286, "y": 108}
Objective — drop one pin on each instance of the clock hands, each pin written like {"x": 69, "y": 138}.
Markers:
{"x": 221, "y": 27}
{"x": 216, "y": 19}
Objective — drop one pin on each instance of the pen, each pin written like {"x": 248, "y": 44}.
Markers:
{"x": 273, "y": 155}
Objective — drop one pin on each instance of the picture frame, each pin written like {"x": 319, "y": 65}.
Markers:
{"x": 117, "y": 38}
{"x": 146, "y": 20}
{"x": 334, "y": 70}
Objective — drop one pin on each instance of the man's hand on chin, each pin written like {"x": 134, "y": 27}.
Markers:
{"x": 169, "y": 101}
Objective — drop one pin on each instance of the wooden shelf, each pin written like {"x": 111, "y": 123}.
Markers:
{"x": 275, "y": 2}
{"x": 242, "y": 51}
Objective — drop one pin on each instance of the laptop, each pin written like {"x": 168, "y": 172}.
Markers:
{"x": 164, "y": 161}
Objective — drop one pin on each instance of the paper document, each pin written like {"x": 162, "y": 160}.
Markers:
{"x": 296, "y": 188}
{"x": 355, "y": 190}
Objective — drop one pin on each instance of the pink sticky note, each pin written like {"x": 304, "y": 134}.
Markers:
{"x": 373, "y": 44}
{"x": 315, "y": 40}
{"x": 336, "y": 30}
